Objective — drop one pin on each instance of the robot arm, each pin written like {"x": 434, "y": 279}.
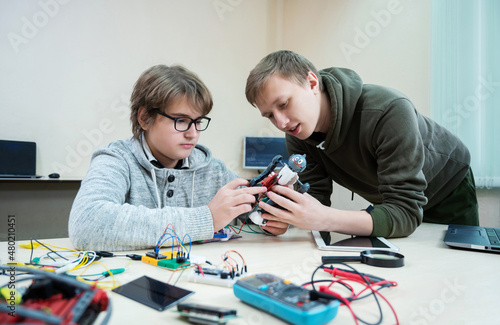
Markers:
{"x": 288, "y": 175}
{"x": 270, "y": 168}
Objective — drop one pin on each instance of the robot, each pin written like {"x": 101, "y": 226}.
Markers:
{"x": 287, "y": 175}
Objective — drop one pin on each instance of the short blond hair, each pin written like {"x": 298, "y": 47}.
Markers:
{"x": 160, "y": 86}
{"x": 286, "y": 64}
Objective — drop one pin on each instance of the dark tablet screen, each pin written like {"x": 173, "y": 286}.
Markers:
{"x": 153, "y": 293}
{"x": 335, "y": 239}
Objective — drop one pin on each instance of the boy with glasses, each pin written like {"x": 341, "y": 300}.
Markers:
{"x": 136, "y": 187}
{"x": 369, "y": 139}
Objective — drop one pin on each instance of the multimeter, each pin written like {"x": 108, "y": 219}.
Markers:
{"x": 285, "y": 300}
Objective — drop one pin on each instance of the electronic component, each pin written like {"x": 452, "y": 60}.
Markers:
{"x": 203, "y": 314}
{"x": 173, "y": 261}
{"x": 156, "y": 256}
{"x": 55, "y": 299}
{"x": 224, "y": 234}
{"x": 215, "y": 276}
{"x": 135, "y": 257}
{"x": 283, "y": 299}
{"x": 224, "y": 276}
{"x": 153, "y": 293}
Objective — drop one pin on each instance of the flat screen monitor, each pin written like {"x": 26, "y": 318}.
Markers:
{"x": 258, "y": 152}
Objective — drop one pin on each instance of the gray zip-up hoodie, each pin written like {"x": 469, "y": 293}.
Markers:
{"x": 125, "y": 202}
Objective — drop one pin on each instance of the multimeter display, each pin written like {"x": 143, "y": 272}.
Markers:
{"x": 283, "y": 299}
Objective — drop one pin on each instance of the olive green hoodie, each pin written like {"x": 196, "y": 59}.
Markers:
{"x": 380, "y": 147}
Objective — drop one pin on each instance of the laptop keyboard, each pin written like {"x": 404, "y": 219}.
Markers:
{"x": 493, "y": 235}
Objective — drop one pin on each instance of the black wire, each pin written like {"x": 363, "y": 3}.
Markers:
{"x": 382, "y": 286}
{"x": 53, "y": 251}
{"x": 365, "y": 280}
{"x": 375, "y": 278}
{"x": 329, "y": 280}
{"x": 367, "y": 295}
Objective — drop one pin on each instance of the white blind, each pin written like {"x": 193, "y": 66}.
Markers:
{"x": 465, "y": 93}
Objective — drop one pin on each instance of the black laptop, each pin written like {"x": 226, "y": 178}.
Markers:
{"x": 473, "y": 237}
{"x": 17, "y": 159}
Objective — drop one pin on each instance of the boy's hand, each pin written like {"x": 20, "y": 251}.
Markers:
{"x": 231, "y": 201}
{"x": 275, "y": 227}
{"x": 300, "y": 210}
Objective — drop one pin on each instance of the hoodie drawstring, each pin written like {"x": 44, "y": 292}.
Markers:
{"x": 192, "y": 189}
{"x": 153, "y": 174}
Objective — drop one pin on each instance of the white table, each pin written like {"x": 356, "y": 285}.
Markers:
{"x": 437, "y": 285}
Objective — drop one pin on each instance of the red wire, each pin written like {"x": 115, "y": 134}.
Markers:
{"x": 175, "y": 237}
{"x": 237, "y": 233}
{"x": 346, "y": 302}
{"x": 345, "y": 284}
{"x": 380, "y": 295}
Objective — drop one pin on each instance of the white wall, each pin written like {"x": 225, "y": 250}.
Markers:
{"x": 68, "y": 68}
{"x": 386, "y": 42}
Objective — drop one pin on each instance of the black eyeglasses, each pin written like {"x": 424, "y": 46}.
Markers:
{"x": 182, "y": 124}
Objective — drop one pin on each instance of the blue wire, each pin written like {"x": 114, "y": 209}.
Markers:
{"x": 189, "y": 243}
{"x": 170, "y": 238}
{"x": 173, "y": 235}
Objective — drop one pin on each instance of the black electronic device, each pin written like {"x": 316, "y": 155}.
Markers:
{"x": 259, "y": 151}
{"x": 341, "y": 242}
{"x": 204, "y": 314}
{"x": 153, "y": 293}
{"x": 17, "y": 159}
{"x": 54, "y": 175}
{"x": 283, "y": 299}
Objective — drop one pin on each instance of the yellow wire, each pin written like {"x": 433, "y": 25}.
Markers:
{"x": 98, "y": 283}
{"x": 39, "y": 243}
{"x": 85, "y": 261}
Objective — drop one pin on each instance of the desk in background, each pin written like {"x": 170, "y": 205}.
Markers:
{"x": 41, "y": 205}
{"x": 438, "y": 285}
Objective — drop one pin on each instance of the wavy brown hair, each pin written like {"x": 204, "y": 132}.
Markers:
{"x": 160, "y": 86}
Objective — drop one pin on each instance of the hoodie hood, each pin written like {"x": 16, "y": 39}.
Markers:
{"x": 343, "y": 87}
{"x": 199, "y": 157}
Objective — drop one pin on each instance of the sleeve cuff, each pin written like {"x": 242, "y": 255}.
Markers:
{"x": 382, "y": 222}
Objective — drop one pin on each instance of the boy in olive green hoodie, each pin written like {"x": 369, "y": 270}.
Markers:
{"x": 367, "y": 138}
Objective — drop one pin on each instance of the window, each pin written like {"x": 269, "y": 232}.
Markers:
{"x": 465, "y": 79}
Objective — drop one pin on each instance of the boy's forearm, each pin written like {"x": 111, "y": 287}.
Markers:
{"x": 358, "y": 223}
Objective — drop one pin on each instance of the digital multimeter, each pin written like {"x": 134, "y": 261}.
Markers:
{"x": 283, "y": 299}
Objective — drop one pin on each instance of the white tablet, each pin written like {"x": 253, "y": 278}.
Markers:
{"x": 340, "y": 242}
